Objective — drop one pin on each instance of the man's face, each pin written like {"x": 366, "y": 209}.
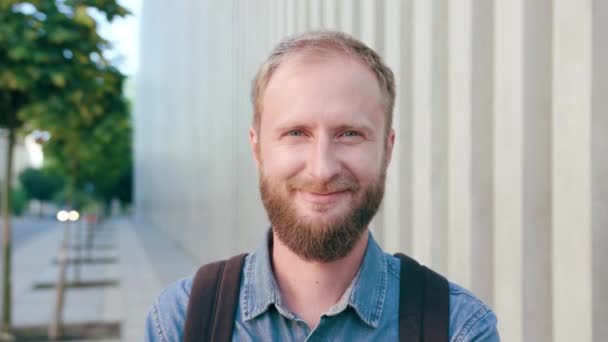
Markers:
{"x": 322, "y": 153}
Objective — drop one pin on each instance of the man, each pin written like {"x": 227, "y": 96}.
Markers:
{"x": 322, "y": 141}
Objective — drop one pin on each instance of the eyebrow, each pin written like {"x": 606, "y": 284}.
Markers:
{"x": 367, "y": 129}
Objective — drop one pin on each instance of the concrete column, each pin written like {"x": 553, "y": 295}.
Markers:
{"x": 508, "y": 149}
{"x": 314, "y": 14}
{"x": 330, "y": 14}
{"x": 169, "y": 163}
{"x": 599, "y": 170}
{"x": 372, "y": 23}
{"x": 422, "y": 136}
{"x": 302, "y": 23}
{"x": 537, "y": 171}
{"x": 188, "y": 130}
{"x": 398, "y": 199}
{"x": 277, "y": 21}
{"x": 460, "y": 95}
{"x": 280, "y": 21}
{"x": 251, "y": 52}
{"x": 290, "y": 17}
{"x": 349, "y": 16}
{"x": 439, "y": 136}
{"x": 180, "y": 120}
{"x": 222, "y": 166}
{"x": 371, "y": 36}
{"x": 198, "y": 96}
{"x": 392, "y": 218}
{"x": 144, "y": 81}
{"x": 571, "y": 160}
{"x": 482, "y": 150}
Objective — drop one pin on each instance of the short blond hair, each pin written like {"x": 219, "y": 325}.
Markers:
{"x": 319, "y": 43}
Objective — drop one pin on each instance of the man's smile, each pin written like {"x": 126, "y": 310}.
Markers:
{"x": 322, "y": 197}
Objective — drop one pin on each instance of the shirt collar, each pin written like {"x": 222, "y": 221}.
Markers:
{"x": 366, "y": 293}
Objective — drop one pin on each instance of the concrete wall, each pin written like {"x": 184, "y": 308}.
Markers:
{"x": 499, "y": 178}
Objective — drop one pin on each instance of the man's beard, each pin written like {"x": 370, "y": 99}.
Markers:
{"x": 321, "y": 240}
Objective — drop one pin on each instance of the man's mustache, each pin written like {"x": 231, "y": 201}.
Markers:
{"x": 339, "y": 183}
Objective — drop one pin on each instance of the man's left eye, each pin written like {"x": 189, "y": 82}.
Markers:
{"x": 295, "y": 133}
{"x": 351, "y": 134}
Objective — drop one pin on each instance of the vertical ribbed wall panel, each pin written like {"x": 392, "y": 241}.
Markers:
{"x": 571, "y": 161}
{"x": 302, "y": 22}
{"x": 221, "y": 119}
{"x": 290, "y": 17}
{"x": 252, "y": 46}
{"x": 406, "y": 145}
{"x": 393, "y": 224}
{"x": 498, "y": 177}
{"x": 315, "y": 19}
{"x": 330, "y": 14}
{"x": 508, "y": 149}
{"x": 397, "y": 214}
{"x": 421, "y": 132}
{"x": 482, "y": 150}
{"x": 459, "y": 218}
{"x": 180, "y": 120}
{"x": 142, "y": 155}
{"x": 197, "y": 91}
{"x": 348, "y": 15}
{"x": 277, "y": 21}
{"x": 537, "y": 171}
{"x": 599, "y": 171}
{"x": 371, "y": 36}
{"x": 439, "y": 135}
{"x": 166, "y": 213}
{"x": 372, "y": 23}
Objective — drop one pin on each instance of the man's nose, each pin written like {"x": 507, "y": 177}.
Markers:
{"x": 323, "y": 163}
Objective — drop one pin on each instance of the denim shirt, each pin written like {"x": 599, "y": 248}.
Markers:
{"x": 367, "y": 311}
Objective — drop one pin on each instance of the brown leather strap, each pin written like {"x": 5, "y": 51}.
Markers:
{"x": 424, "y": 303}
{"x": 213, "y": 301}
{"x": 436, "y": 319}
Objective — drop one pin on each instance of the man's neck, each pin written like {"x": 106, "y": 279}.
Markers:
{"x": 310, "y": 288}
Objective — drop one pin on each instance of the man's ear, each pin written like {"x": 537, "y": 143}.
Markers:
{"x": 390, "y": 144}
{"x": 255, "y": 146}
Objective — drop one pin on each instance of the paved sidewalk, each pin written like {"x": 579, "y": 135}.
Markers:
{"x": 151, "y": 261}
{"x": 124, "y": 274}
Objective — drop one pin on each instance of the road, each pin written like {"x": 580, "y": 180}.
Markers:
{"x": 26, "y": 228}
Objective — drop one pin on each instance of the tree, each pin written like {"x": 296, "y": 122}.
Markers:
{"x": 40, "y": 184}
{"x": 51, "y": 57}
{"x": 97, "y": 150}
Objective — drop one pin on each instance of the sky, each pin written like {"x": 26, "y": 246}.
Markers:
{"x": 123, "y": 33}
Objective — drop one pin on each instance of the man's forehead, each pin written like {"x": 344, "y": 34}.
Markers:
{"x": 330, "y": 73}
{"x": 310, "y": 58}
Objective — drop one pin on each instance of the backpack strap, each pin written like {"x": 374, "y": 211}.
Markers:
{"x": 213, "y": 301}
{"x": 424, "y": 303}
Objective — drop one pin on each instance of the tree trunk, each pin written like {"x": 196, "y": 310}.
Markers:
{"x": 6, "y": 242}
{"x": 54, "y": 331}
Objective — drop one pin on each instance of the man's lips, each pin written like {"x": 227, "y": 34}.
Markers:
{"x": 322, "y": 197}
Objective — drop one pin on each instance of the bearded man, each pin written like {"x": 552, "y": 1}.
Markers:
{"x": 322, "y": 140}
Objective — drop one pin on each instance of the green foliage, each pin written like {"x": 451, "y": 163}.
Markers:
{"x": 40, "y": 184}
{"x": 18, "y": 201}
{"x": 47, "y": 47}
{"x": 78, "y": 199}
{"x": 54, "y": 77}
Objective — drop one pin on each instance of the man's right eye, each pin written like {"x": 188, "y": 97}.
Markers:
{"x": 295, "y": 133}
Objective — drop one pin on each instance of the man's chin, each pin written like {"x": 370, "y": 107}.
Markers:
{"x": 320, "y": 215}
